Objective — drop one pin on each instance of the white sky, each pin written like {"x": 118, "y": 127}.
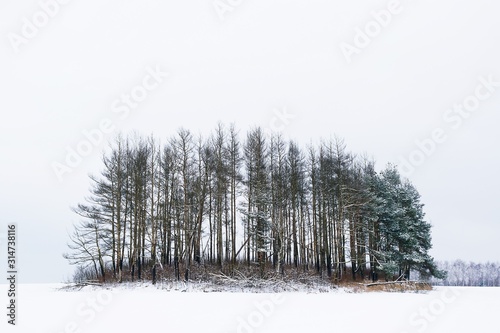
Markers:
{"x": 264, "y": 55}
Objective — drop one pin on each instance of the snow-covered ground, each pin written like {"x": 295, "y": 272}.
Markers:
{"x": 44, "y": 308}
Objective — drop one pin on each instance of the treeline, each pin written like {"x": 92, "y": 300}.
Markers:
{"x": 469, "y": 274}
{"x": 259, "y": 201}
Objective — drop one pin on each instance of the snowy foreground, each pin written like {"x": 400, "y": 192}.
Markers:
{"x": 45, "y": 308}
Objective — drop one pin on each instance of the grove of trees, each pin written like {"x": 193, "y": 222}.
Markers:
{"x": 468, "y": 274}
{"x": 258, "y": 201}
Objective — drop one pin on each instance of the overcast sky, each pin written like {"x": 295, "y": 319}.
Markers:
{"x": 380, "y": 74}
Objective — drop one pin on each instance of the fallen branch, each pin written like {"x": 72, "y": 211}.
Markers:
{"x": 81, "y": 285}
{"x": 396, "y": 282}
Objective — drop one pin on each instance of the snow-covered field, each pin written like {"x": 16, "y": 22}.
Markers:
{"x": 44, "y": 308}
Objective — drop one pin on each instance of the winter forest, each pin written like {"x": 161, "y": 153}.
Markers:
{"x": 253, "y": 203}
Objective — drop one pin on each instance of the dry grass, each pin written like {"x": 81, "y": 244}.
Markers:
{"x": 399, "y": 286}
